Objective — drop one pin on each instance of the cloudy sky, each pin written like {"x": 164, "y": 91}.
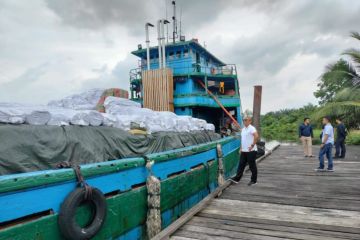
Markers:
{"x": 53, "y": 48}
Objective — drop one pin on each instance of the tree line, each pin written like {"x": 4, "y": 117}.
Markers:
{"x": 338, "y": 94}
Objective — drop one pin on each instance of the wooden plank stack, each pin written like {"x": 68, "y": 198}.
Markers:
{"x": 158, "y": 89}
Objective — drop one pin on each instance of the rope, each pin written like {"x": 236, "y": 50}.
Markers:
{"x": 79, "y": 177}
{"x": 221, "y": 179}
{"x": 82, "y": 183}
{"x": 153, "y": 185}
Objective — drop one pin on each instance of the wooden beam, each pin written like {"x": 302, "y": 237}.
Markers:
{"x": 158, "y": 89}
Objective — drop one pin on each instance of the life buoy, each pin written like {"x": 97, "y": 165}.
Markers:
{"x": 67, "y": 224}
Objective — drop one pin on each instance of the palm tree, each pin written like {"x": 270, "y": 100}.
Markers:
{"x": 354, "y": 55}
{"x": 340, "y": 88}
{"x": 345, "y": 104}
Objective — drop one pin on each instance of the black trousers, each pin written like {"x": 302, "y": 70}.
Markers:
{"x": 340, "y": 147}
{"x": 247, "y": 158}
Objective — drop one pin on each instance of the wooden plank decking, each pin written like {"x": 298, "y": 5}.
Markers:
{"x": 290, "y": 201}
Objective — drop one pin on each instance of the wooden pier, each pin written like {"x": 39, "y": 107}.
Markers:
{"x": 290, "y": 201}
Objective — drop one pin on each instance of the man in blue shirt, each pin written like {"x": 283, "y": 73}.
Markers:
{"x": 340, "y": 139}
{"x": 306, "y": 135}
{"x": 327, "y": 142}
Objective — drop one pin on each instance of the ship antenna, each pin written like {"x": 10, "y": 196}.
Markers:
{"x": 180, "y": 18}
{"x": 166, "y": 17}
{"x": 174, "y": 21}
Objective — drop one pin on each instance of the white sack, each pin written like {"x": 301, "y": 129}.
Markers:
{"x": 59, "y": 120}
{"x": 95, "y": 118}
{"x": 210, "y": 127}
{"x": 83, "y": 101}
{"x": 81, "y": 119}
{"x": 109, "y": 120}
{"x": 117, "y": 101}
{"x": 14, "y": 116}
{"x": 38, "y": 117}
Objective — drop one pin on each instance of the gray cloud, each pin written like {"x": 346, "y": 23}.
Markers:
{"x": 111, "y": 77}
{"x": 95, "y": 15}
{"x": 282, "y": 45}
{"x": 24, "y": 85}
{"x": 302, "y": 23}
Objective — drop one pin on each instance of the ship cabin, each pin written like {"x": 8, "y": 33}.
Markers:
{"x": 190, "y": 63}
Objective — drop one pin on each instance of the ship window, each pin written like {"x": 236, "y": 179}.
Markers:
{"x": 186, "y": 52}
{"x": 154, "y": 58}
{"x": 171, "y": 55}
{"x": 178, "y": 54}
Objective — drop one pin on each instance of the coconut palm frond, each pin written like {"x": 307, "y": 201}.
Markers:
{"x": 348, "y": 94}
{"x": 349, "y": 110}
{"x": 342, "y": 67}
{"x": 342, "y": 73}
{"x": 354, "y": 54}
{"x": 356, "y": 81}
{"x": 355, "y": 35}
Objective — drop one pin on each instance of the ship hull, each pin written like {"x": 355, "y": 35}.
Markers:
{"x": 30, "y": 202}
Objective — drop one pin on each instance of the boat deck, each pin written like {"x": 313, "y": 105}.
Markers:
{"x": 290, "y": 201}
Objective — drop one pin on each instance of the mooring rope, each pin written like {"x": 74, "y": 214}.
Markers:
{"x": 221, "y": 178}
{"x": 81, "y": 182}
{"x": 79, "y": 177}
{"x": 153, "y": 185}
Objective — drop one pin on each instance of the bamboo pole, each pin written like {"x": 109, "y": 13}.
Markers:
{"x": 158, "y": 89}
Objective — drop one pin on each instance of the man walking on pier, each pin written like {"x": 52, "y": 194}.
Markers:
{"x": 340, "y": 139}
{"x": 327, "y": 142}
{"x": 306, "y": 135}
{"x": 248, "y": 150}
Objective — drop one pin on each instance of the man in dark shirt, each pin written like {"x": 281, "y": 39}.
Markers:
{"x": 340, "y": 139}
{"x": 306, "y": 135}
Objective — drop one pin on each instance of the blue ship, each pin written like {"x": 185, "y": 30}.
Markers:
{"x": 191, "y": 63}
{"x": 34, "y": 204}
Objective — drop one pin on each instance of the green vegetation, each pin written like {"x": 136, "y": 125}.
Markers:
{"x": 353, "y": 138}
{"x": 339, "y": 96}
{"x": 339, "y": 88}
{"x": 283, "y": 125}
{"x": 336, "y": 77}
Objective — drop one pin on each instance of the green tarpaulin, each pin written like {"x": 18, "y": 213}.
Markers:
{"x": 26, "y": 148}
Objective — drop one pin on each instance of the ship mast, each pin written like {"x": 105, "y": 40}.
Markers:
{"x": 174, "y": 21}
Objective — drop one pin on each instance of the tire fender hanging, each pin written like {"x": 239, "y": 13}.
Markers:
{"x": 68, "y": 226}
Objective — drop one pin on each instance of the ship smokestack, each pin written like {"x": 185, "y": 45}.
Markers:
{"x": 147, "y": 25}
{"x": 164, "y": 21}
{"x": 159, "y": 23}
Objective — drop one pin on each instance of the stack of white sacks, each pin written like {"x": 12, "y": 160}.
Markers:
{"x": 80, "y": 110}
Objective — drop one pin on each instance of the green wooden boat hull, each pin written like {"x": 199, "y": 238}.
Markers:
{"x": 127, "y": 205}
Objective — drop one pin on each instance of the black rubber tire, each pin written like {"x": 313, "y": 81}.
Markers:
{"x": 67, "y": 222}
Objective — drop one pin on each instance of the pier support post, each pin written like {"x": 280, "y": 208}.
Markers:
{"x": 257, "y": 108}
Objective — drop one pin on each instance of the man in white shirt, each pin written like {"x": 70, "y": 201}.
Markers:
{"x": 327, "y": 142}
{"x": 248, "y": 150}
